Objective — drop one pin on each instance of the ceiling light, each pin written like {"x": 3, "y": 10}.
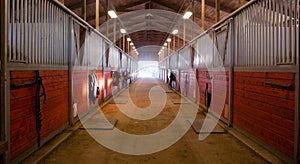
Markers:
{"x": 123, "y": 31}
{"x": 131, "y": 44}
{"x": 163, "y": 47}
{"x": 187, "y": 15}
{"x": 169, "y": 40}
{"x": 128, "y": 39}
{"x": 165, "y": 44}
{"x": 112, "y": 14}
{"x": 175, "y": 31}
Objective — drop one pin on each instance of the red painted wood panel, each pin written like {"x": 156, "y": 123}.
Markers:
{"x": 108, "y": 83}
{"x": 22, "y": 107}
{"x": 80, "y": 90}
{"x": 219, "y": 79}
{"x": 266, "y": 111}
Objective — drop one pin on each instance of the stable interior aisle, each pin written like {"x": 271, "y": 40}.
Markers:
{"x": 216, "y": 148}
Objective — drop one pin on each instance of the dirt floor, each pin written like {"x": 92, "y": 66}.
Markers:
{"x": 216, "y": 148}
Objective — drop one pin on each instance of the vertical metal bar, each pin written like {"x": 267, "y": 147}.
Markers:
{"x": 264, "y": 25}
{"x": 26, "y": 31}
{"x": 34, "y": 31}
{"x": 55, "y": 39}
{"x": 58, "y": 43}
{"x": 64, "y": 38}
{"x": 277, "y": 37}
{"x": 13, "y": 29}
{"x": 268, "y": 26}
{"x": 281, "y": 39}
{"x": 231, "y": 71}
{"x": 21, "y": 30}
{"x": 236, "y": 24}
{"x": 9, "y": 26}
{"x": 42, "y": 51}
{"x": 272, "y": 29}
{"x": 257, "y": 34}
{"x": 291, "y": 36}
{"x": 248, "y": 37}
{"x": 286, "y": 33}
{"x": 262, "y": 31}
{"x": 39, "y": 23}
{"x": 31, "y": 36}
{"x": 70, "y": 65}
{"x": 53, "y": 34}
{"x": 18, "y": 30}
{"x": 47, "y": 32}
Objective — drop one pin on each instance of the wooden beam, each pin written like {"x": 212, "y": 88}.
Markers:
{"x": 242, "y": 2}
{"x": 203, "y": 15}
{"x": 217, "y": 10}
{"x": 83, "y": 9}
{"x": 78, "y": 5}
{"x": 131, "y": 5}
{"x": 97, "y": 15}
{"x": 3, "y": 147}
{"x": 165, "y": 4}
{"x": 4, "y": 99}
{"x": 61, "y": 1}
{"x": 212, "y": 4}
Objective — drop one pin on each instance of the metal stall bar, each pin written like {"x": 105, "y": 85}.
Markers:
{"x": 26, "y": 41}
{"x": 231, "y": 70}
{"x": 272, "y": 32}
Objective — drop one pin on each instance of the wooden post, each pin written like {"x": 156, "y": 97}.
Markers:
{"x": 124, "y": 43}
{"x": 97, "y": 15}
{"x": 83, "y": 9}
{"x": 174, "y": 42}
{"x": 62, "y": 1}
{"x": 115, "y": 28}
{"x": 203, "y": 15}
{"x": 4, "y": 98}
{"x": 242, "y": 2}
{"x": 217, "y": 10}
{"x": 106, "y": 18}
{"x": 183, "y": 32}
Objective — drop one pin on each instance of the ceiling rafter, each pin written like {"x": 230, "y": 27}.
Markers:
{"x": 212, "y": 4}
{"x": 165, "y": 4}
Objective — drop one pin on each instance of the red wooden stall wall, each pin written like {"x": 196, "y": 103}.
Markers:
{"x": 22, "y": 108}
{"x": 266, "y": 111}
{"x": 108, "y": 83}
{"x": 80, "y": 90}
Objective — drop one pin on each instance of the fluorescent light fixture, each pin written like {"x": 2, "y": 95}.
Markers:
{"x": 112, "y": 14}
{"x": 169, "y": 40}
{"x": 123, "y": 31}
{"x": 175, "y": 31}
{"x": 165, "y": 44}
{"x": 128, "y": 39}
{"x": 187, "y": 15}
{"x": 131, "y": 44}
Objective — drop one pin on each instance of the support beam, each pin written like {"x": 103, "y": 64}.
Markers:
{"x": 62, "y": 1}
{"x": 97, "y": 15}
{"x": 83, "y": 9}
{"x": 165, "y": 4}
{"x": 4, "y": 90}
{"x": 212, "y": 4}
{"x": 217, "y": 10}
{"x": 242, "y": 2}
{"x": 203, "y": 15}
